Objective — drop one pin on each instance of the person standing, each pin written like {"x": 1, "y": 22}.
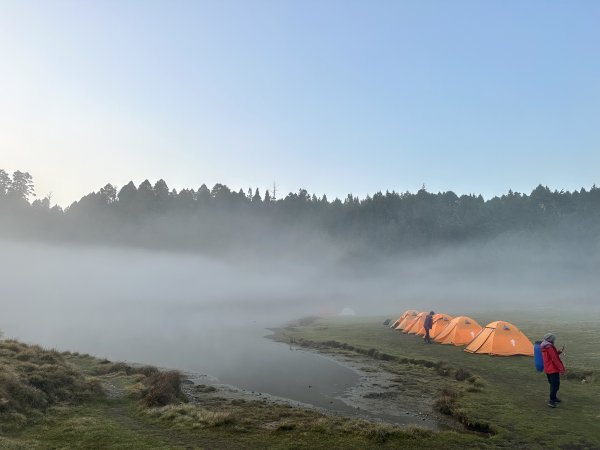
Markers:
{"x": 553, "y": 367}
{"x": 428, "y": 325}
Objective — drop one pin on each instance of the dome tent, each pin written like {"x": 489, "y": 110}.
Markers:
{"x": 407, "y": 320}
{"x": 460, "y": 331}
{"x": 501, "y": 339}
{"x": 440, "y": 321}
{"x": 416, "y": 324}
{"x": 436, "y": 317}
{"x": 347, "y": 312}
{"x": 410, "y": 312}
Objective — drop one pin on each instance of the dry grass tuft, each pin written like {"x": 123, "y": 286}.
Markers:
{"x": 190, "y": 415}
{"x": 126, "y": 369}
{"x": 462, "y": 374}
{"x": 162, "y": 388}
{"x": 32, "y": 378}
{"x": 446, "y": 402}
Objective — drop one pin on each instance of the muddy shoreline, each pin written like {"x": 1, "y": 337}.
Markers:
{"x": 378, "y": 396}
{"x": 380, "y": 392}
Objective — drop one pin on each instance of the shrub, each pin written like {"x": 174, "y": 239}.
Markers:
{"x": 476, "y": 381}
{"x": 446, "y": 402}
{"x": 162, "y": 388}
{"x": 442, "y": 369}
{"x": 462, "y": 374}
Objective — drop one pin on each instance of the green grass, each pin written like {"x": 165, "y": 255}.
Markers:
{"x": 507, "y": 394}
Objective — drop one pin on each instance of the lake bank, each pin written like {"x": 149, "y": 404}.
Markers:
{"x": 243, "y": 361}
{"x": 122, "y": 406}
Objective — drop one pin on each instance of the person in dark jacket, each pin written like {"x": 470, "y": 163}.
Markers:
{"x": 553, "y": 367}
{"x": 428, "y": 325}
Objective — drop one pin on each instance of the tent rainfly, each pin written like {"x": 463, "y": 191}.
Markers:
{"x": 502, "y": 339}
{"x": 416, "y": 324}
{"x": 460, "y": 331}
{"x": 440, "y": 321}
{"x": 421, "y": 331}
{"x": 407, "y": 320}
{"x": 410, "y": 312}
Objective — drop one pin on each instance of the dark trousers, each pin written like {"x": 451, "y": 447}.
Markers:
{"x": 427, "y": 337}
{"x": 554, "y": 380}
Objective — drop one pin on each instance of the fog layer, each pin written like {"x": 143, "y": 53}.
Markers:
{"x": 107, "y": 300}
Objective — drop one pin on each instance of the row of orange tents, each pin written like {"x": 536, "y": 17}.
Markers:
{"x": 496, "y": 338}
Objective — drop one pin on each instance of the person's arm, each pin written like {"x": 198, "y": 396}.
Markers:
{"x": 557, "y": 361}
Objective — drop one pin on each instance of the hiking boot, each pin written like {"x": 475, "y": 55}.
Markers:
{"x": 552, "y": 405}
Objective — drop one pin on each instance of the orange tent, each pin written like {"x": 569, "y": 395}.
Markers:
{"x": 460, "y": 331}
{"x": 440, "y": 321}
{"x": 501, "y": 338}
{"x": 401, "y": 318}
{"x": 407, "y": 320}
{"x": 416, "y": 324}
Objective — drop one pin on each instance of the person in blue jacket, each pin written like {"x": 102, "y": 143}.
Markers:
{"x": 428, "y": 325}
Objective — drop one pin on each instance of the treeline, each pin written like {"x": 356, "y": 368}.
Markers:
{"x": 219, "y": 218}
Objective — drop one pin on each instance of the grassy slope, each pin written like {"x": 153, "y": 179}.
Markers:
{"x": 81, "y": 417}
{"x": 513, "y": 398}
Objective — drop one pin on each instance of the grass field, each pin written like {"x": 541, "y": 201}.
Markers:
{"x": 505, "y": 395}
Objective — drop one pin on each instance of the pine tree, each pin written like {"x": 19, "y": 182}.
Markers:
{"x": 5, "y": 182}
{"x": 21, "y": 186}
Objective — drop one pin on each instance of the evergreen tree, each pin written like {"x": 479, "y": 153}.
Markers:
{"x": 5, "y": 182}
{"x": 220, "y": 192}
{"x": 161, "y": 191}
{"x": 203, "y": 195}
{"x": 145, "y": 196}
{"x": 108, "y": 194}
{"x": 21, "y": 187}
{"x": 127, "y": 193}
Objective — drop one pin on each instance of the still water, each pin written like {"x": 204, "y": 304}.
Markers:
{"x": 179, "y": 312}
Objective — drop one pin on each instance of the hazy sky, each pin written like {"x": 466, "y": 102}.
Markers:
{"x": 335, "y": 96}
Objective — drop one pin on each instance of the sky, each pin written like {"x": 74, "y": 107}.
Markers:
{"x": 333, "y": 96}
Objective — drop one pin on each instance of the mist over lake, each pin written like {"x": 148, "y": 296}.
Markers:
{"x": 186, "y": 310}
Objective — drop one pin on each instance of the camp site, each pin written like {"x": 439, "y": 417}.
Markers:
{"x": 299, "y": 224}
{"x": 475, "y": 375}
